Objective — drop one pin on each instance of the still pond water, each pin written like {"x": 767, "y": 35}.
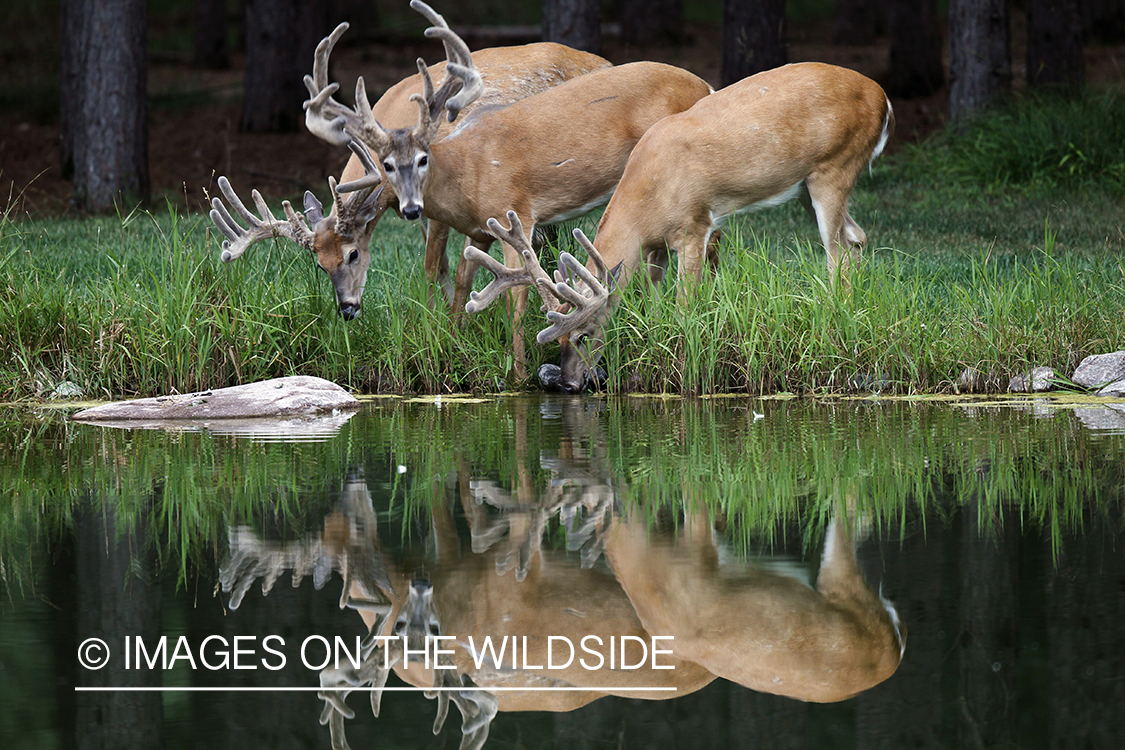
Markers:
{"x": 722, "y": 573}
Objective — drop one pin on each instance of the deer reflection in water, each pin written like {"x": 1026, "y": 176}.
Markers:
{"x": 749, "y": 624}
{"x": 506, "y": 587}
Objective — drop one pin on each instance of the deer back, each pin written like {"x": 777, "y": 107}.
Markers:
{"x": 556, "y": 154}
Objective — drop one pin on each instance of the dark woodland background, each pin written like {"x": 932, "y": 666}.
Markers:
{"x": 155, "y": 100}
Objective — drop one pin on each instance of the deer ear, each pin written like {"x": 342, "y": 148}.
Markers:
{"x": 614, "y": 277}
{"x": 370, "y": 208}
{"x": 314, "y": 210}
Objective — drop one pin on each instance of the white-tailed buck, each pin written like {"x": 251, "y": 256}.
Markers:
{"x": 470, "y": 597}
{"x": 769, "y": 629}
{"x": 804, "y": 130}
{"x": 550, "y": 157}
{"x": 340, "y": 240}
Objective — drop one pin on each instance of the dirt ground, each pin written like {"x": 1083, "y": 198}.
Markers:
{"x": 190, "y": 146}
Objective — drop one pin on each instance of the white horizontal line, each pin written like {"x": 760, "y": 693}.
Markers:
{"x": 361, "y": 689}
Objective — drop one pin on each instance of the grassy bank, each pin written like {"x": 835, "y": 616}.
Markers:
{"x": 971, "y": 262}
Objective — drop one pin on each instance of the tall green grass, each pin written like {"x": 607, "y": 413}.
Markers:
{"x": 963, "y": 269}
{"x": 762, "y": 465}
{"x": 1040, "y": 142}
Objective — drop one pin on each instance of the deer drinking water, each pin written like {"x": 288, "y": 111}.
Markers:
{"x": 340, "y": 240}
{"x": 550, "y": 157}
{"x": 803, "y": 130}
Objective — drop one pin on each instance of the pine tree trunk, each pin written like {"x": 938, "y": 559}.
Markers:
{"x": 857, "y": 22}
{"x": 103, "y": 101}
{"x": 574, "y": 23}
{"x": 118, "y": 596}
{"x": 915, "y": 49}
{"x": 753, "y": 38}
{"x": 645, "y": 22}
{"x": 1054, "y": 45}
{"x": 1103, "y": 20}
{"x": 72, "y": 87}
{"x": 980, "y": 67}
{"x": 281, "y": 38}
{"x": 211, "y": 50}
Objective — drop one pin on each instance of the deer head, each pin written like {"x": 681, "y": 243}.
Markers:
{"x": 578, "y": 302}
{"x": 339, "y": 240}
{"x": 403, "y": 153}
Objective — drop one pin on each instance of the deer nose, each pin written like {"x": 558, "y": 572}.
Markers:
{"x": 349, "y": 312}
{"x": 412, "y": 213}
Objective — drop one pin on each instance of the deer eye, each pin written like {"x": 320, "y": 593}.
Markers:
{"x": 423, "y": 160}
{"x": 388, "y": 167}
{"x": 580, "y": 339}
{"x": 354, "y": 256}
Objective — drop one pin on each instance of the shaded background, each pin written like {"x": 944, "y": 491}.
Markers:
{"x": 198, "y": 127}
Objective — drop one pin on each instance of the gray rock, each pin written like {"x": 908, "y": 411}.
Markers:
{"x": 1039, "y": 380}
{"x": 67, "y": 390}
{"x": 1109, "y": 417}
{"x": 971, "y": 380}
{"x": 1098, "y": 369}
{"x": 550, "y": 376}
{"x": 280, "y": 397}
{"x": 1116, "y": 390}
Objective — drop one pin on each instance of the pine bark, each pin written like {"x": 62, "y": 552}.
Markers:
{"x": 574, "y": 23}
{"x": 102, "y": 106}
{"x": 753, "y": 38}
{"x": 1054, "y": 45}
{"x": 210, "y": 50}
{"x": 281, "y": 38}
{"x": 645, "y": 22}
{"x": 857, "y": 22}
{"x": 916, "y": 67}
{"x": 980, "y": 67}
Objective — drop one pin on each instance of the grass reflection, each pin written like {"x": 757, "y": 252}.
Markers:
{"x": 762, "y": 465}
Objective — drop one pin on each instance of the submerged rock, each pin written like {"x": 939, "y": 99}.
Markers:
{"x": 1099, "y": 369}
{"x": 1110, "y": 417}
{"x": 971, "y": 380}
{"x": 291, "y": 396}
{"x": 1039, "y": 380}
{"x": 67, "y": 390}
{"x": 550, "y": 376}
{"x": 1116, "y": 390}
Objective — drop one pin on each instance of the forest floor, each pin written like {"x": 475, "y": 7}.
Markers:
{"x": 193, "y": 117}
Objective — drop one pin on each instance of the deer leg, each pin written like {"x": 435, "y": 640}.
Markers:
{"x": 657, "y": 262}
{"x": 463, "y": 280}
{"x": 854, "y": 236}
{"x": 830, "y": 206}
{"x": 692, "y": 254}
{"x": 517, "y": 305}
{"x": 840, "y": 580}
{"x": 437, "y": 262}
{"x": 713, "y": 250}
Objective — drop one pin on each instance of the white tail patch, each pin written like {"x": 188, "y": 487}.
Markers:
{"x": 882, "y": 136}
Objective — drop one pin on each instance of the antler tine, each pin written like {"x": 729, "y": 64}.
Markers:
{"x": 299, "y": 231}
{"x": 263, "y": 226}
{"x": 323, "y": 114}
{"x": 585, "y": 306}
{"x": 327, "y": 118}
{"x": 592, "y": 252}
{"x": 461, "y": 86}
{"x": 372, "y": 177}
{"x": 506, "y": 278}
